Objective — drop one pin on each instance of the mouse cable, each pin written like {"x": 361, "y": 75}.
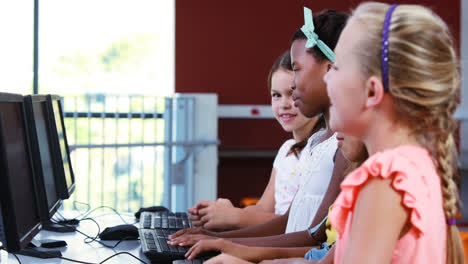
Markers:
{"x": 88, "y": 208}
{"x": 85, "y": 262}
{"x": 1, "y": 248}
{"x": 108, "y": 207}
{"x": 17, "y": 258}
{"x": 80, "y": 214}
{"x": 108, "y": 258}
{"x": 90, "y": 239}
{"x": 95, "y": 239}
{"x": 65, "y": 258}
{"x": 126, "y": 253}
{"x": 77, "y": 219}
{"x": 64, "y": 220}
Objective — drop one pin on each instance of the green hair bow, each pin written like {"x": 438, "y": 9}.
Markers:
{"x": 312, "y": 37}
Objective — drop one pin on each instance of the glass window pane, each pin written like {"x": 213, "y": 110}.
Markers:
{"x": 106, "y": 46}
{"x": 17, "y": 46}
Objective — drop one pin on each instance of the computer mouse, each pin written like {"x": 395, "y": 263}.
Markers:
{"x": 150, "y": 209}
{"x": 120, "y": 232}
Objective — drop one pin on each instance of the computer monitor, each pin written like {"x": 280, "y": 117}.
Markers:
{"x": 42, "y": 157}
{"x": 19, "y": 212}
{"x": 61, "y": 152}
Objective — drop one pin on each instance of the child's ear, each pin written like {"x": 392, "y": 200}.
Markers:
{"x": 329, "y": 65}
{"x": 374, "y": 92}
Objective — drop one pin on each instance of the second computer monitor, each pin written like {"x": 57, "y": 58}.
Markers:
{"x": 60, "y": 144}
{"x": 47, "y": 181}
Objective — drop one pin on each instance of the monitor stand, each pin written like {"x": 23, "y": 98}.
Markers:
{"x": 50, "y": 226}
{"x": 37, "y": 249}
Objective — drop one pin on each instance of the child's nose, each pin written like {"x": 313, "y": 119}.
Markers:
{"x": 286, "y": 102}
{"x": 292, "y": 85}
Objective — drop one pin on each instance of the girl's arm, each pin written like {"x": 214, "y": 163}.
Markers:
{"x": 275, "y": 226}
{"x": 378, "y": 220}
{"x": 302, "y": 238}
{"x": 189, "y": 236}
{"x": 226, "y": 259}
{"x": 254, "y": 254}
{"x": 222, "y": 215}
{"x": 271, "y": 233}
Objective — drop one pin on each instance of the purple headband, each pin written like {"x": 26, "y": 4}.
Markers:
{"x": 451, "y": 221}
{"x": 384, "y": 51}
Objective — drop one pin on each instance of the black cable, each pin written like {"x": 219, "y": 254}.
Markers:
{"x": 65, "y": 220}
{"x": 65, "y": 258}
{"x": 74, "y": 260}
{"x": 61, "y": 216}
{"x": 76, "y": 219}
{"x": 120, "y": 253}
{"x": 85, "y": 262}
{"x": 75, "y": 207}
{"x": 94, "y": 239}
{"x": 103, "y": 206}
{"x": 87, "y": 236}
{"x": 17, "y": 258}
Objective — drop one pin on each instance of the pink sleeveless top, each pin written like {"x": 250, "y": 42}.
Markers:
{"x": 415, "y": 177}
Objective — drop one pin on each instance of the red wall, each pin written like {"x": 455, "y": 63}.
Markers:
{"x": 227, "y": 47}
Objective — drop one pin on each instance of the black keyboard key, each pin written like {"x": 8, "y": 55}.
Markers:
{"x": 152, "y": 246}
{"x": 159, "y": 232}
{"x": 172, "y": 248}
{"x": 197, "y": 261}
{"x": 179, "y": 224}
{"x": 167, "y": 232}
{"x": 172, "y": 224}
{"x": 164, "y": 245}
{"x": 157, "y": 222}
{"x": 180, "y": 214}
{"x": 183, "y": 250}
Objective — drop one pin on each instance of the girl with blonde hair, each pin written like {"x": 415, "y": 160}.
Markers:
{"x": 398, "y": 67}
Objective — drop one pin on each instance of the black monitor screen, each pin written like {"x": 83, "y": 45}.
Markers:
{"x": 21, "y": 204}
{"x": 63, "y": 143}
{"x": 40, "y": 118}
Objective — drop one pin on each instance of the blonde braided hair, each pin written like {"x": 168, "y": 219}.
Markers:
{"x": 423, "y": 81}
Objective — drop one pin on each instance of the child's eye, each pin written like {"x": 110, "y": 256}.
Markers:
{"x": 275, "y": 95}
{"x": 334, "y": 67}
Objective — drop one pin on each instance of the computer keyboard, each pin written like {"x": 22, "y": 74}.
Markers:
{"x": 155, "y": 227}
{"x": 186, "y": 261}
{"x": 154, "y": 246}
{"x": 164, "y": 220}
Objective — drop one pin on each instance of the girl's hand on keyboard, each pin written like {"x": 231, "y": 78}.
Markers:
{"x": 226, "y": 259}
{"x": 188, "y": 240}
{"x": 192, "y": 231}
{"x": 219, "y": 244}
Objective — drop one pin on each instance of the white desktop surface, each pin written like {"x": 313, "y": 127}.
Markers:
{"x": 93, "y": 252}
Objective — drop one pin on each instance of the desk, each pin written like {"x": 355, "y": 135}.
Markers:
{"x": 93, "y": 252}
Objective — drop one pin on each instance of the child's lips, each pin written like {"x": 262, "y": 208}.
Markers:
{"x": 287, "y": 117}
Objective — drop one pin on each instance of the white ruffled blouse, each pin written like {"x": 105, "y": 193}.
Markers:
{"x": 315, "y": 169}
